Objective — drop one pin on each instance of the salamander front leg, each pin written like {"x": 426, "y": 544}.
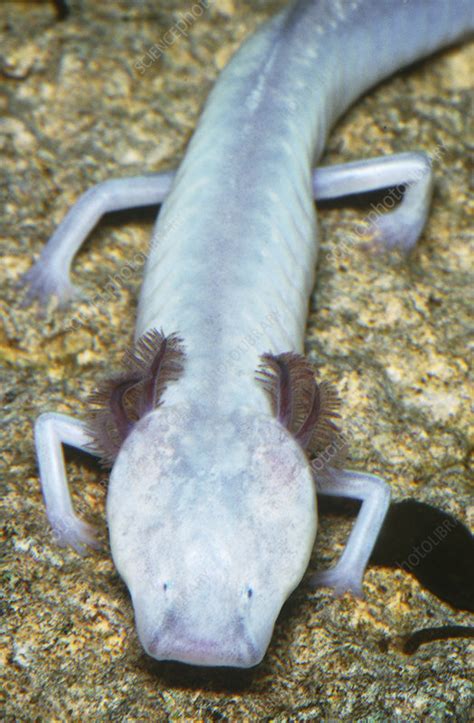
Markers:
{"x": 50, "y": 274}
{"x": 51, "y": 432}
{"x": 410, "y": 178}
{"x": 374, "y": 493}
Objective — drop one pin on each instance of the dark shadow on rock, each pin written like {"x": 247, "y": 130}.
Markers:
{"x": 433, "y": 546}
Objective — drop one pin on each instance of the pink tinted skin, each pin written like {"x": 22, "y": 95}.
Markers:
{"x": 211, "y": 506}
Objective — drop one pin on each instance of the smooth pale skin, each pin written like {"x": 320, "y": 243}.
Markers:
{"x": 211, "y": 506}
{"x": 210, "y": 545}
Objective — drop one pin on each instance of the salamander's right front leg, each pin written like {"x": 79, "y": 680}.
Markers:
{"x": 50, "y": 275}
{"x": 51, "y": 432}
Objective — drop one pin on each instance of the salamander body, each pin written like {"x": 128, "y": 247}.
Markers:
{"x": 212, "y": 499}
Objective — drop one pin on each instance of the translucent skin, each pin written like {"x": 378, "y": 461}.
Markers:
{"x": 235, "y": 242}
{"x": 211, "y": 500}
{"x": 211, "y": 528}
{"x": 211, "y": 505}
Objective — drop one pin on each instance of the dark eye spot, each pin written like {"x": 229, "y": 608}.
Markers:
{"x": 249, "y": 592}
{"x": 165, "y": 586}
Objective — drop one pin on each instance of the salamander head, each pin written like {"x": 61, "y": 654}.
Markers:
{"x": 211, "y": 523}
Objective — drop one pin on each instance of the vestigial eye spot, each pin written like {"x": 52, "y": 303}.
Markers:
{"x": 165, "y": 586}
{"x": 249, "y": 592}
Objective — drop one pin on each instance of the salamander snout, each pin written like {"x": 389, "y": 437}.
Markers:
{"x": 201, "y": 608}
{"x": 233, "y": 647}
{"x": 212, "y": 522}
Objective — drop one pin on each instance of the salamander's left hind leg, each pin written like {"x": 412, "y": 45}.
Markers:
{"x": 50, "y": 274}
{"x": 410, "y": 178}
{"x": 374, "y": 493}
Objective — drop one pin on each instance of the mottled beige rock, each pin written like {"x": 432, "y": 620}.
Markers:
{"x": 391, "y": 333}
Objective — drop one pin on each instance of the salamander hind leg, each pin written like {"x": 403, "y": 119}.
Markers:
{"x": 45, "y": 281}
{"x": 50, "y": 276}
{"x": 396, "y": 221}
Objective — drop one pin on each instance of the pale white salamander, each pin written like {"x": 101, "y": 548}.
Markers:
{"x": 212, "y": 499}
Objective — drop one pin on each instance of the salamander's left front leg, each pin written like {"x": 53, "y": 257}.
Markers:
{"x": 374, "y": 493}
{"x": 51, "y": 432}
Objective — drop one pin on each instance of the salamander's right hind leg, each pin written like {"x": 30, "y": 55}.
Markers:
{"x": 50, "y": 276}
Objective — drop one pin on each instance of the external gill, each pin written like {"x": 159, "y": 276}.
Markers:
{"x": 305, "y": 407}
{"x": 120, "y": 401}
